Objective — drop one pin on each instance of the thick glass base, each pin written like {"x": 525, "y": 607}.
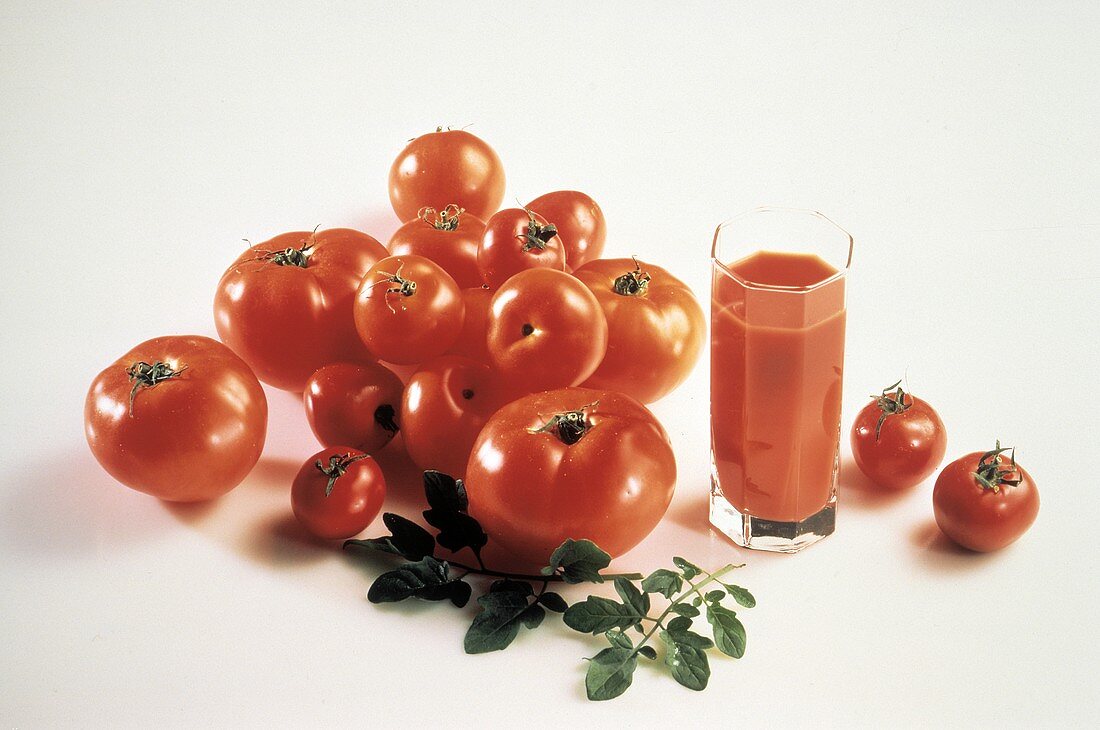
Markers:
{"x": 760, "y": 534}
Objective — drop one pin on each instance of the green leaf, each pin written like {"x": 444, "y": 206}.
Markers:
{"x": 409, "y": 540}
{"x": 688, "y": 570}
{"x": 690, "y": 638}
{"x": 632, "y": 596}
{"x": 444, "y": 492}
{"x": 697, "y": 601}
{"x": 610, "y": 673}
{"x": 684, "y": 609}
{"x": 533, "y": 616}
{"x": 741, "y": 595}
{"x": 715, "y": 596}
{"x": 553, "y": 602}
{"x": 663, "y": 581}
{"x": 447, "y": 502}
{"x": 506, "y": 585}
{"x": 729, "y": 633}
{"x": 619, "y": 639}
{"x": 680, "y": 623}
{"x": 502, "y": 612}
{"x": 648, "y": 652}
{"x": 428, "y": 579}
{"x": 580, "y": 561}
{"x": 687, "y": 659}
{"x": 597, "y": 614}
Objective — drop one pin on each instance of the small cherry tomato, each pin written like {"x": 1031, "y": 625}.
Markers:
{"x": 655, "y": 327}
{"x": 546, "y": 330}
{"x": 516, "y": 240}
{"x": 985, "y": 501}
{"x": 408, "y": 309}
{"x": 570, "y": 463}
{"x": 449, "y": 237}
{"x": 580, "y": 223}
{"x": 898, "y": 440}
{"x": 471, "y": 340}
{"x": 181, "y": 418}
{"x": 353, "y": 403}
{"x": 337, "y": 493}
{"x": 446, "y": 403}
{"x": 444, "y": 167}
{"x": 284, "y": 305}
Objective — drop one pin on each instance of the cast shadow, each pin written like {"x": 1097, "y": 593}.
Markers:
{"x": 855, "y": 490}
{"x": 935, "y": 551}
{"x": 279, "y": 541}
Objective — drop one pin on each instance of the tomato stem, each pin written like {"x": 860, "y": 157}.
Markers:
{"x": 385, "y": 416}
{"x": 537, "y": 235}
{"x": 568, "y": 426}
{"x": 337, "y": 466}
{"x": 891, "y": 403}
{"x": 443, "y": 220}
{"x": 633, "y": 283}
{"x": 990, "y": 475}
{"x": 144, "y": 375}
{"x": 291, "y": 256}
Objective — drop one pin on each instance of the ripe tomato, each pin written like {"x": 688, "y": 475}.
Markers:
{"x": 580, "y": 223}
{"x": 984, "y": 501}
{"x": 445, "y": 167}
{"x": 655, "y": 327}
{"x": 546, "y": 330}
{"x": 337, "y": 493}
{"x": 284, "y": 305}
{"x": 446, "y": 403}
{"x": 471, "y": 340}
{"x": 570, "y": 463}
{"x": 181, "y": 418}
{"x": 898, "y": 440}
{"x": 353, "y": 403}
{"x": 449, "y": 237}
{"x": 408, "y": 309}
{"x": 516, "y": 240}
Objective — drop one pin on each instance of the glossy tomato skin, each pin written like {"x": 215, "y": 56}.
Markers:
{"x": 353, "y": 403}
{"x": 443, "y": 168}
{"x": 976, "y": 517}
{"x": 546, "y": 330}
{"x": 471, "y": 340}
{"x": 530, "y": 490}
{"x": 654, "y": 335}
{"x": 580, "y": 223}
{"x": 505, "y": 250}
{"x": 188, "y": 438}
{"x": 446, "y": 403}
{"x": 354, "y": 502}
{"x": 908, "y": 449}
{"x": 402, "y": 325}
{"x": 454, "y": 250}
{"x": 287, "y": 321}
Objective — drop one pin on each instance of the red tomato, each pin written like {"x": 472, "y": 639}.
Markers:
{"x": 448, "y": 237}
{"x": 516, "y": 240}
{"x": 570, "y": 463}
{"x": 985, "y": 501}
{"x": 546, "y": 330}
{"x": 446, "y": 403}
{"x": 580, "y": 223}
{"x": 898, "y": 440}
{"x": 655, "y": 327}
{"x": 471, "y": 340}
{"x": 353, "y": 403}
{"x": 284, "y": 305}
{"x": 408, "y": 309}
{"x": 445, "y": 167}
{"x": 181, "y": 418}
{"x": 337, "y": 493}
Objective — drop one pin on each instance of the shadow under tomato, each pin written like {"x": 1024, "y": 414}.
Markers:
{"x": 692, "y": 511}
{"x": 855, "y": 490}
{"x": 939, "y": 553}
{"x": 279, "y": 541}
{"x": 191, "y": 513}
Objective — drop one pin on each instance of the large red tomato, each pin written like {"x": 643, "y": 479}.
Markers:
{"x": 570, "y": 463}
{"x": 285, "y": 305}
{"x": 449, "y": 237}
{"x": 471, "y": 340}
{"x": 898, "y": 440}
{"x": 180, "y": 417}
{"x": 445, "y": 167}
{"x": 580, "y": 223}
{"x": 546, "y": 330}
{"x": 446, "y": 403}
{"x": 353, "y": 403}
{"x": 408, "y": 309}
{"x": 655, "y": 327}
{"x": 516, "y": 240}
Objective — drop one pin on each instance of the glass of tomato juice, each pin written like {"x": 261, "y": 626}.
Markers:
{"x": 777, "y": 364}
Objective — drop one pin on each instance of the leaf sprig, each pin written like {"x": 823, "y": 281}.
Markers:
{"x": 514, "y": 601}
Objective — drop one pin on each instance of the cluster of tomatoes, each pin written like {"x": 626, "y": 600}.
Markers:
{"x": 983, "y": 501}
{"x": 524, "y": 361}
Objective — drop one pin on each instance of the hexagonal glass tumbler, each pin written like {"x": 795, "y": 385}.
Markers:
{"x": 777, "y": 366}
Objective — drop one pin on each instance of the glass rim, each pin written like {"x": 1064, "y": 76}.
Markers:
{"x": 840, "y": 274}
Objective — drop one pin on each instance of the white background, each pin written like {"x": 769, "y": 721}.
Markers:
{"x": 956, "y": 141}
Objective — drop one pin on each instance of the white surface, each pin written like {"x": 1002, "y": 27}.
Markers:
{"x": 956, "y": 141}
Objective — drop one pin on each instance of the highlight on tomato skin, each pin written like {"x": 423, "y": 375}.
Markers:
{"x": 898, "y": 440}
{"x": 180, "y": 417}
{"x": 337, "y": 493}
